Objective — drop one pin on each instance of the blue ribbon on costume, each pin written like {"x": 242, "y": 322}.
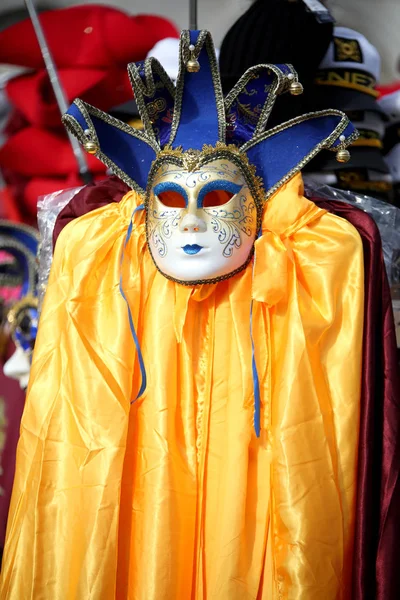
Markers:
{"x": 256, "y": 380}
{"x": 131, "y": 325}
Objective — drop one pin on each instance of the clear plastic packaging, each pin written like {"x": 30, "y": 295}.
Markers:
{"x": 49, "y": 207}
{"x": 386, "y": 216}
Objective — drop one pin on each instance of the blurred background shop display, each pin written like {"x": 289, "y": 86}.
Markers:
{"x": 350, "y": 62}
{"x": 379, "y": 20}
{"x": 91, "y": 44}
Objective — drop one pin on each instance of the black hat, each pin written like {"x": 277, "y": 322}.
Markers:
{"x": 348, "y": 73}
{"x": 276, "y": 31}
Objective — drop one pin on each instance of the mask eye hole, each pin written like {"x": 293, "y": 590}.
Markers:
{"x": 217, "y": 193}
{"x": 216, "y": 198}
{"x": 172, "y": 199}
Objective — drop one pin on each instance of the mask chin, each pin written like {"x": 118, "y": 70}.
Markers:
{"x": 201, "y": 224}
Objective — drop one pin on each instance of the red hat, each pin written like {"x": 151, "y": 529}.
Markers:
{"x": 85, "y": 37}
{"x": 34, "y": 152}
{"x": 33, "y": 95}
{"x": 389, "y": 88}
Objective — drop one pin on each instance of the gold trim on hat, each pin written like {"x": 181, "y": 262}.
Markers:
{"x": 348, "y": 79}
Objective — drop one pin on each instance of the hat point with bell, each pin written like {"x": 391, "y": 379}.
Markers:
{"x": 295, "y": 88}
{"x": 89, "y": 145}
{"x": 192, "y": 65}
{"x": 194, "y": 117}
{"x": 343, "y": 155}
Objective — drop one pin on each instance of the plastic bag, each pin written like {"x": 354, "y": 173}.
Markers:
{"x": 386, "y": 216}
{"x": 49, "y": 207}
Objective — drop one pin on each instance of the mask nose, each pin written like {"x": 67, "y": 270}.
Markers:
{"x": 191, "y": 223}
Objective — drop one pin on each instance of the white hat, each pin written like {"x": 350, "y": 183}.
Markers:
{"x": 167, "y": 52}
{"x": 348, "y": 73}
{"x": 390, "y": 104}
{"x": 393, "y": 160}
{"x": 351, "y": 50}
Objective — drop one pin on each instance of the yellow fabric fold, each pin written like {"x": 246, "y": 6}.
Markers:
{"x": 173, "y": 496}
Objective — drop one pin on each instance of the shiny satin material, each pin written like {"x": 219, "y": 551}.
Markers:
{"x": 174, "y": 496}
{"x": 376, "y": 574}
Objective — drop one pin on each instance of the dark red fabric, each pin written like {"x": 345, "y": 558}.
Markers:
{"x": 376, "y": 570}
{"x": 14, "y": 401}
{"x": 89, "y": 198}
{"x": 376, "y": 565}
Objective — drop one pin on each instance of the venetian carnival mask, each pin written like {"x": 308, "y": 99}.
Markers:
{"x": 205, "y": 165}
{"x": 201, "y": 224}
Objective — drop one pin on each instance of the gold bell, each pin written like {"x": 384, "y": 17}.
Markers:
{"x": 296, "y": 88}
{"x": 90, "y": 147}
{"x": 343, "y": 155}
{"x": 193, "y": 65}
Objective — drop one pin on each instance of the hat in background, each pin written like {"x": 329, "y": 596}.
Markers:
{"x": 91, "y": 46}
{"x": 390, "y": 104}
{"x": 166, "y": 51}
{"x": 391, "y": 142}
{"x": 7, "y": 72}
{"x": 39, "y": 152}
{"x": 274, "y": 32}
{"x": 277, "y": 31}
{"x": 349, "y": 73}
{"x": 357, "y": 180}
{"x": 127, "y": 112}
{"x": 87, "y": 36}
{"x": 347, "y": 79}
{"x": 32, "y": 94}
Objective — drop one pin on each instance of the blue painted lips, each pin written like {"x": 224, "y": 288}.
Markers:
{"x": 192, "y": 248}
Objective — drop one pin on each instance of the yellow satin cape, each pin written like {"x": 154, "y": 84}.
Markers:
{"x": 174, "y": 497}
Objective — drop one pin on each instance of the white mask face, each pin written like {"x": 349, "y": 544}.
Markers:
{"x": 201, "y": 225}
{"x": 18, "y": 367}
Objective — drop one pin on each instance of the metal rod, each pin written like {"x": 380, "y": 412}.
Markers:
{"x": 57, "y": 88}
{"x": 193, "y": 14}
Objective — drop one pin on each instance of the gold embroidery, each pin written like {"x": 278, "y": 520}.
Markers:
{"x": 324, "y": 144}
{"x": 147, "y": 87}
{"x": 355, "y": 180}
{"x": 204, "y": 38}
{"x": 368, "y": 138}
{"x": 355, "y": 80}
{"x": 347, "y": 50}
